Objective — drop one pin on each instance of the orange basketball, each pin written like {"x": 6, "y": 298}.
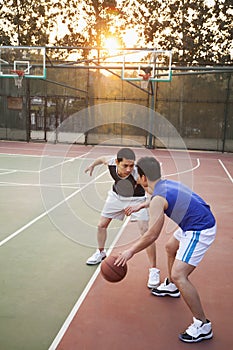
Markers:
{"x": 111, "y": 272}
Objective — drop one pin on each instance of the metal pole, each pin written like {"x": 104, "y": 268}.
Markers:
{"x": 151, "y": 116}
{"x": 28, "y": 111}
{"x": 226, "y": 113}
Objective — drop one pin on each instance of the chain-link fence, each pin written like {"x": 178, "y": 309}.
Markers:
{"x": 199, "y": 106}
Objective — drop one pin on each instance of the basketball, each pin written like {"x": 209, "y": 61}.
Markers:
{"x": 111, "y": 272}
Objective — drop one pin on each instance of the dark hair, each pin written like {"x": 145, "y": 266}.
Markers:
{"x": 150, "y": 167}
{"x": 126, "y": 153}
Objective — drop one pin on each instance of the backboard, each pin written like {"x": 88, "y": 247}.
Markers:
{"x": 30, "y": 60}
{"x": 148, "y": 65}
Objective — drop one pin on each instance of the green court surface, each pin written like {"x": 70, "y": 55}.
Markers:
{"x": 48, "y": 230}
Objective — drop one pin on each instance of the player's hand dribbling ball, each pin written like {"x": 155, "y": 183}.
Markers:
{"x": 111, "y": 272}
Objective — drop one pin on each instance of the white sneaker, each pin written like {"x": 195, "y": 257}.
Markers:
{"x": 96, "y": 258}
{"x": 197, "y": 331}
{"x": 166, "y": 288}
{"x": 154, "y": 278}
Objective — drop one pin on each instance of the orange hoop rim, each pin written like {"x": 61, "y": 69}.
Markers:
{"x": 20, "y": 73}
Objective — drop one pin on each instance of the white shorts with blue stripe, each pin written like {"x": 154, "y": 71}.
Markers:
{"x": 194, "y": 244}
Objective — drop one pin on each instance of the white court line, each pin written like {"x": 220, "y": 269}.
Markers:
{"x": 17, "y": 171}
{"x": 58, "y": 204}
{"x": 79, "y": 302}
{"x": 69, "y": 159}
{"x": 7, "y": 171}
{"x": 58, "y": 185}
{"x": 48, "y": 211}
{"x": 226, "y": 171}
{"x": 19, "y": 155}
{"x": 91, "y": 281}
{"x": 186, "y": 171}
{"x": 61, "y": 185}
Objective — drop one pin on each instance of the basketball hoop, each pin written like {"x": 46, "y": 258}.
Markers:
{"x": 145, "y": 80}
{"x": 19, "y": 74}
{"x": 144, "y": 84}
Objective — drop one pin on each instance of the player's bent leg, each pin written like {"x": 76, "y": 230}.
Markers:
{"x": 100, "y": 253}
{"x": 168, "y": 288}
{"x": 102, "y": 231}
{"x": 171, "y": 247}
{"x": 154, "y": 273}
{"x": 201, "y": 328}
{"x": 180, "y": 273}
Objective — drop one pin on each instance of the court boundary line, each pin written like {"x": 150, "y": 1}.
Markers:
{"x": 55, "y": 185}
{"x": 82, "y": 297}
{"x": 30, "y": 223}
{"x": 11, "y": 171}
{"x": 185, "y": 171}
{"x": 7, "y": 171}
{"x": 21, "y": 155}
{"x": 226, "y": 171}
{"x": 67, "y": 160}
{"x": 70, "y": 185}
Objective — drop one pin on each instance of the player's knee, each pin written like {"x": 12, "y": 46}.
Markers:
{"x": 169, "y": 249}
{"x": 102, "y": 225}
{"x": 176, "y": 278}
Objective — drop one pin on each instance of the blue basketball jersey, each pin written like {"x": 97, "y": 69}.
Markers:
{"x": 185, "y": 207}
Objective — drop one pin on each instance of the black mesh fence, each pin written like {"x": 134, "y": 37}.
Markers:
{"x": 199, "y": 106}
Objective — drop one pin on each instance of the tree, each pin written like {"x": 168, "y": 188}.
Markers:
{"x": 83, "y": 23}
{"x": 87, "y": 22}
{"x": 198, "y": 32}
{"x": 25, "y": 22}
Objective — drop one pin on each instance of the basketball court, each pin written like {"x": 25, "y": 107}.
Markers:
{"x": 50, "y": 298}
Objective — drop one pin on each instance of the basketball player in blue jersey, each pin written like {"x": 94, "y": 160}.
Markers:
{"x": 125, "y": 197}
{"x": 185, "y": 249}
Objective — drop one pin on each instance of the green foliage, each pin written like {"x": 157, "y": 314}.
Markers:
{"x": 24, "y": 22}
{"x": 196, "y": 32}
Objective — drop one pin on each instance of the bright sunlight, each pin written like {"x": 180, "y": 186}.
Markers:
{"x": 130, "y": 37}
{"x": 111, "y": 43}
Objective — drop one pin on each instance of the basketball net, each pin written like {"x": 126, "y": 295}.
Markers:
{"x": 144, "y": 84}
{"x": 19, "y": 74}
{"x": 145, "y": 80}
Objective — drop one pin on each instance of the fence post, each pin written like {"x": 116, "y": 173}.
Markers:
{"x": 226, "y": 113}
{"x": 28, "y": 111}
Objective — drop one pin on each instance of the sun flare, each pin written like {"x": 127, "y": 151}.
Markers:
{"x": 111, "y": 43}
{"x": 130, "y": 38}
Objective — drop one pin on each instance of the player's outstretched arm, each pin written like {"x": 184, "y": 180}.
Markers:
{"x": 155, "y": 226}
{"x": 134, "y": 208}
{"x": 92, "y": 166}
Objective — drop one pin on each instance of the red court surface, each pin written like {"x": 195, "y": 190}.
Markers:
{"x": 126, "y": 315}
